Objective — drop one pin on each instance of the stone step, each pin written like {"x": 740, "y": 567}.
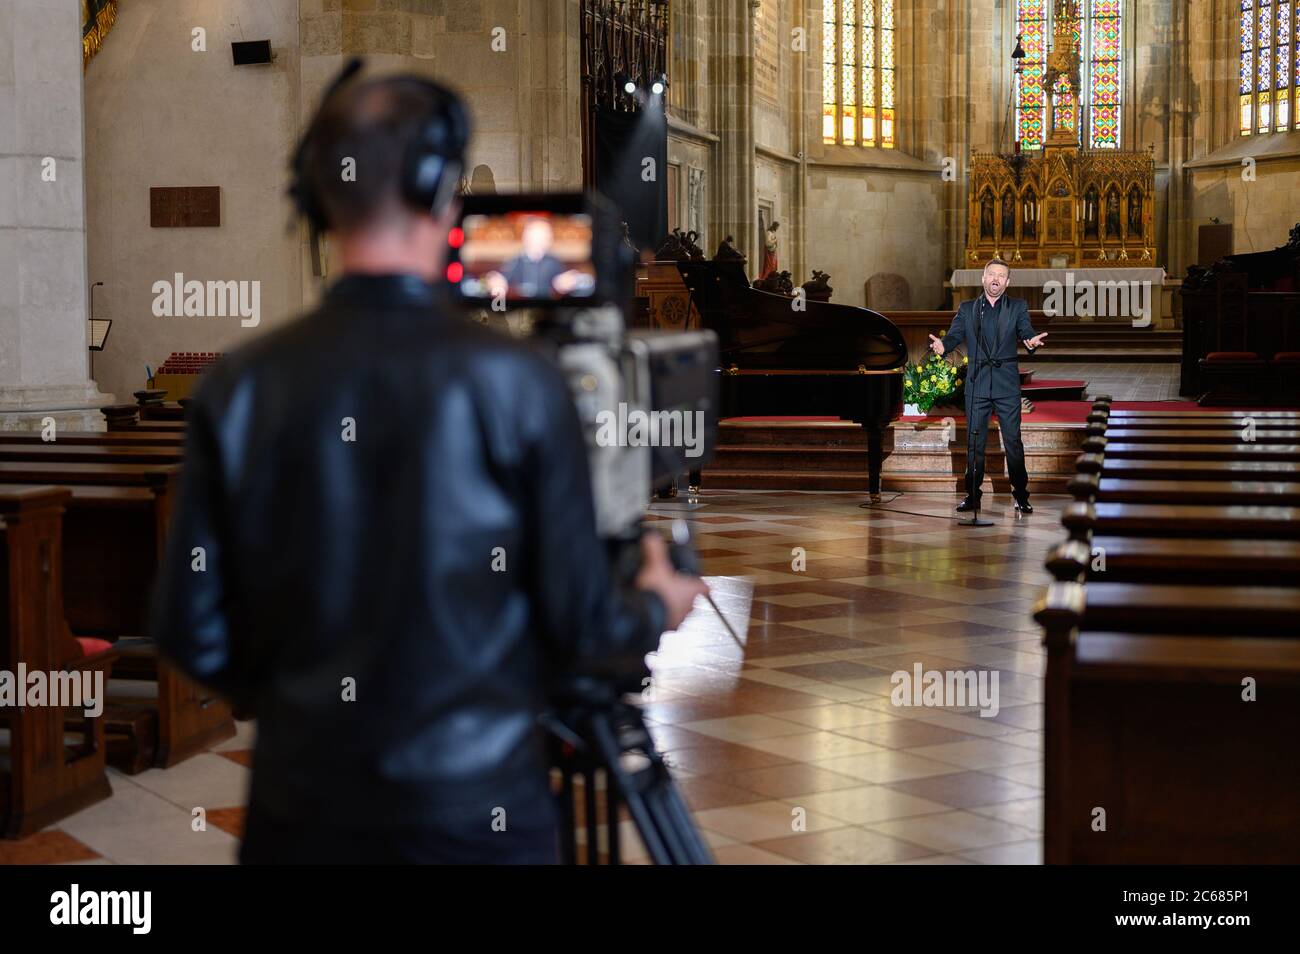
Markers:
{"x": 1118, "y": 341}
{"x": 796, "y": 457}
{"x": 783, "y": 433}
{"x": 1111, "y": 356}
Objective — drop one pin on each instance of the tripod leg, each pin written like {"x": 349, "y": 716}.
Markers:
{"x": 569, "y": 838}
{"x": 612, "y": 802}
{"x": 593, "y": 821}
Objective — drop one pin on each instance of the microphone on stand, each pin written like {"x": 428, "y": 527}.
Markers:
{"x": 972, "y": 433}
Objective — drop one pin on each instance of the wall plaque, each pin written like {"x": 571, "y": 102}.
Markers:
{"x": 179, "y": 207}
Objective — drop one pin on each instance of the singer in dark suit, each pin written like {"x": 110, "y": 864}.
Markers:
{"x": 992, "y": 327}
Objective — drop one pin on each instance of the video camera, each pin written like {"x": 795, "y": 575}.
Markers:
{"x": 648, "y": 400}
{"x": 648, "y": 404}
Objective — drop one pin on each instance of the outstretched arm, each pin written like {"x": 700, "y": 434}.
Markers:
{"x": 955, "y": 337}
{"x": 1025, "y": 329}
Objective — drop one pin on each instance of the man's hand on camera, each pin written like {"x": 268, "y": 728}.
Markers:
{"x": 677, "y": 590}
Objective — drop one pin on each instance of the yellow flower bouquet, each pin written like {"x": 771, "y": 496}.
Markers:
{"x": 936, "y": 382}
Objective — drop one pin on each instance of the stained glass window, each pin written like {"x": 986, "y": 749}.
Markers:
{"x": 1098, "y": 41}
{"x": 1031, "y": 101}
{"x": 858, "y": 82}
{"x": 1269, "y": 72}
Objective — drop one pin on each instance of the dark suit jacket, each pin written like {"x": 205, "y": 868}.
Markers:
{"x": 996, "y": 339}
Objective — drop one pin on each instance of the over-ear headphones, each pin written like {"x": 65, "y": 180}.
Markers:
{"x": 434, "y": 160}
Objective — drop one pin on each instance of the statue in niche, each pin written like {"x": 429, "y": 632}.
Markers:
{"x": 695, "y": 204}
{"x": 1112, "y": 214}
{"x": 986, "y": 216}
{"x": 1029, "y": 216}
{"x": 1091, "y": 219}
{"x": 770, "y": 248}
{"x": 1008, "y": 215}
{"x": 1135, "y": 213}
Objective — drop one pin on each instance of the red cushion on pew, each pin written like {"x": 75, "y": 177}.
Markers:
{"x": 1287, "y": 357}
{"x": 1232, "y": 356}
{"x": 90, "y": 646}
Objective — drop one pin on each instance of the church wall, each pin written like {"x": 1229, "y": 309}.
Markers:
{"x": 240, "y": 124}
{"x": 775, "y": 76}
{"x": 860, "y": 224}
{"x": 689, "y": 161}
{"x": 1262, "y": 212}
{"x": 159, "y": 114}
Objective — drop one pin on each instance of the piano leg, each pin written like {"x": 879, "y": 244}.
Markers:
{"x": 875, "y": 460}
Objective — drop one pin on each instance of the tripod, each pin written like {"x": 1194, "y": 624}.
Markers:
{"x": 595, "y": 733}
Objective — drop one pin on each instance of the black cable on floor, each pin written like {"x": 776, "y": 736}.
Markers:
{"x": 911, "y": 513}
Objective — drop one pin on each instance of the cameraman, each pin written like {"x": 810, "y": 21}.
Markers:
{"x": 384, "y": 543}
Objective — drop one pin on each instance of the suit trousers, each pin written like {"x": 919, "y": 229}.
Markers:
{"x": 978, "y": 411}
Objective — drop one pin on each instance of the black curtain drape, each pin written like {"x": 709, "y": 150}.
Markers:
{"x": 623, "y": 144}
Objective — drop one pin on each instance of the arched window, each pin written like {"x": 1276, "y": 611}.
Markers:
{"x": 1270, "y": 66}
{"x": 1098, "y": 40}
{"x": 858, "y": 80}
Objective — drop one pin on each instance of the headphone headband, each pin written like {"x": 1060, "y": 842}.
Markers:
{"x": 434, "y": 159}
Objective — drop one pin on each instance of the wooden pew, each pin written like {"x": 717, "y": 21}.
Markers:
{"x": 1176, "y": 417}
{"x": 42, "y": 778}
{"x": 126, "y": 417}
{"x": 1233, "y": 436}
{"x": 1161, "y": 450}
{"x": 1188, "y": 467}
{"x": 113, "y": 541}
{"x": 1102, "y": 489}
{"x": 131, "y": 437}
{"x": 103, "y": 475}
{"x": 1084, "y": 520}
{"x": 1183, "y": 600}
{"x": 56, "y": 452}
{"x": 1145, "y": 720}
{"x": 1183, "y": 561}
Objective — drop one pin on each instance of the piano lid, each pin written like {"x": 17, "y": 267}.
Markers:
{"x": 759, "y": 330}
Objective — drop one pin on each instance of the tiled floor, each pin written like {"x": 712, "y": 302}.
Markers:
{"x": 791, "y": 749}
{"x": 1123, "y": 382}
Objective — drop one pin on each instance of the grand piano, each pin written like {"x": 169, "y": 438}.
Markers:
{"x": 791, "y": 357}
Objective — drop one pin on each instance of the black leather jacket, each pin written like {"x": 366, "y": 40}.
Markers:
{"x": 391, "y": 497}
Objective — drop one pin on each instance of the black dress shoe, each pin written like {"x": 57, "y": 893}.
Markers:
{"x": 966, "y": 506}
{"x": 1023, "y": 506}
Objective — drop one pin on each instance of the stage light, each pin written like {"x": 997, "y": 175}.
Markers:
{"x": 660, "y": 84}
{"x": 626, "y": 83}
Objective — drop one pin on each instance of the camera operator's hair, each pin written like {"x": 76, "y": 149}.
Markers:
{"x": 377, "y": 124}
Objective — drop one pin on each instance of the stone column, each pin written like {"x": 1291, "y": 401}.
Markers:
{"x": 43, "y": 318}
{"x": 730, "y": 64}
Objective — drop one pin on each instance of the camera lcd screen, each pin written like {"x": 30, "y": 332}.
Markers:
{"x": 527, "y": 256}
